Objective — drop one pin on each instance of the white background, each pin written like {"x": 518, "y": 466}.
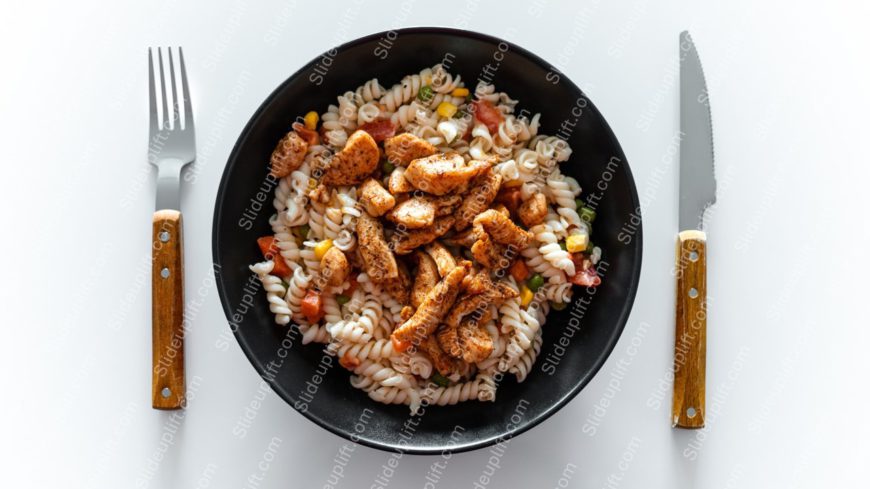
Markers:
{"x": 787, "y": 348}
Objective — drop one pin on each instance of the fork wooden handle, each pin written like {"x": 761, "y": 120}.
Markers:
{"x": 167, "y": 311}
{"x": 690, "y": 352}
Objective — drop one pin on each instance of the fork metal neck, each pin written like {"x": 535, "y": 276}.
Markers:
{"x": 169, "y": 183}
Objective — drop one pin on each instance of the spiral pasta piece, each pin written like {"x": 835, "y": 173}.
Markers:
{"x": 275, "y": 291}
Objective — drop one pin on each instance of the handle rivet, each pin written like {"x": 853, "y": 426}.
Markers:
{"x": 166, "y": 392}
{"x": 693, "y": 256}
{"x": 691, "y": 412}
{"x": 164, "y": 273}
{"x": 693, "y": 292}
{"x": 164, "y": 236}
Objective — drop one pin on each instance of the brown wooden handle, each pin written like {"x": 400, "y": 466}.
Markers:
{"x": 690, "y": 352}
{"x": 167, "y": 311}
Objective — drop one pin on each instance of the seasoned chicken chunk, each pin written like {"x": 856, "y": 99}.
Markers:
{"x": 375, "y": 198}
{"x": 465, "y": 238}
{"x": 443, "y": 363}
{"x": 442, "y": 256}
{"x": 405, "y": 242}
{"x": 434, "y": 307}
{"x": 482, "y": 193}
{"x": 334, "y": 266}
{"x": 492, "y": 255}
{"x": 288, "y": 155}
{"x": 414, "y": 213}
{"x": 397, "y": 182}
{"x": 406, "y": 313}
{"x": 477, "y": 282}
{"x": 467, "y": 341}
{"x": 354, "y": 163}
{"x": 533, "y": 211}
{"x": 503, "y": 230}
{"x": 478, "y": 306}
{"x": 441, "y": 174}
{"x": 398, "y": 288}
{"x": 419, "y": 212}
{"x": 379, "y": 261}
{"x": 426, "y": 278}
{"x": 406, "y": 147}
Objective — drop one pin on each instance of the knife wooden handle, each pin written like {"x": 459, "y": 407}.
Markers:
{"x": 167, "y": 311}
{"x": 690, "y": 352}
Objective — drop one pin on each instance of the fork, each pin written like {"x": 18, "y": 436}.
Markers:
{"x": 171, "y": 146}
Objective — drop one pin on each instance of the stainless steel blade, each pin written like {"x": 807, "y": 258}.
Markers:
{"x": 697, "y": 178}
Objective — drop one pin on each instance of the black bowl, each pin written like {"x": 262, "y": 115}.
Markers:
{"x": 576, "y": 340}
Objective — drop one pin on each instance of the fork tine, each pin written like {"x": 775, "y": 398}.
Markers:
{"x": 152, "y": 96}
{"x": 165, "y": 124}
{"x": 176, "y": 122}
{"x": 185, "y": 93}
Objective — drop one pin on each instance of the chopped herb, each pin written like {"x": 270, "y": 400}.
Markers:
{"x": 342, "y": 299}
{"x": 440, "y": 379}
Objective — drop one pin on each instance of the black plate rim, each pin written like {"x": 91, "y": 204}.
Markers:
{"x": 479, "y": 443}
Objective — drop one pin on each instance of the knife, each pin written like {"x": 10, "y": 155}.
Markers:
{"x": 697, "y": 192}
{"x": 171, "y": 146}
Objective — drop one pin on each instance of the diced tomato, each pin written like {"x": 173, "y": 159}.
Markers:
{"x": 510, "y": 197}
{"x": 312, "y": 306}
{"x": 269, "y": 248}
{"x": 349, "y": 361}
{"x": 467, "y": 135}
{"x": 399, "y": 345}
{"x": 310, "y": 137}
{"x": 379, "y": 130}
{"x": 519, "y": 270}
{"x": 586, "y": 278}
{"x": 487, "y": 114}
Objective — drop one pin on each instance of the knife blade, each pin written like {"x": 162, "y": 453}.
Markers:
{"x": 697, "y": 193}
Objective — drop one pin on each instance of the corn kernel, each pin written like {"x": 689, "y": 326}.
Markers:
{"x": 526, "y": 296}
{"x": 312, "y": 184}
{"x": 322, "y": 247}
{"x": 459, "y": 92}
{"x": 577, "y": 242}
{"x": 446, "y": 109}
{"x": 311, "y": 119}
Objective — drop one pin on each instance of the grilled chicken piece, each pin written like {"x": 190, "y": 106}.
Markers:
{"x": 477, "y": 282}
{"x": 406, "y": 313}
{"x": 492, "y": 255}
{"x": 405, "y": 242}
{"x": 426, "y": 277}
{"x": 483, "y": 192}
{"x": 443, "y": 363}
{"x": 478, "y": 306}
{"x": 477, "y": 344}
{"x": 379, "y": 261}
{"x": 467, "y": 341}
{"x": 442, "y": 256}
{"x": 406, "y": 147}
{"x": 398, "y": 288}
{"x": 501, "y": 208}
{"x": 465, "y": 238}
{"x": 503, "y": 230}
{"x": 334, "y": 266}
{"x": 441, "y": 174}
{"x": 533, "y": 211}
{"x": 354, "y": 163}
{"x": 419, "y": 212}
{"x": 434, "y": 307}
{"x": 375, "y": 198}
{"x": 414, "y": 213}
{"x": 397, "y": 182}
{"x": 288, "y": 155}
